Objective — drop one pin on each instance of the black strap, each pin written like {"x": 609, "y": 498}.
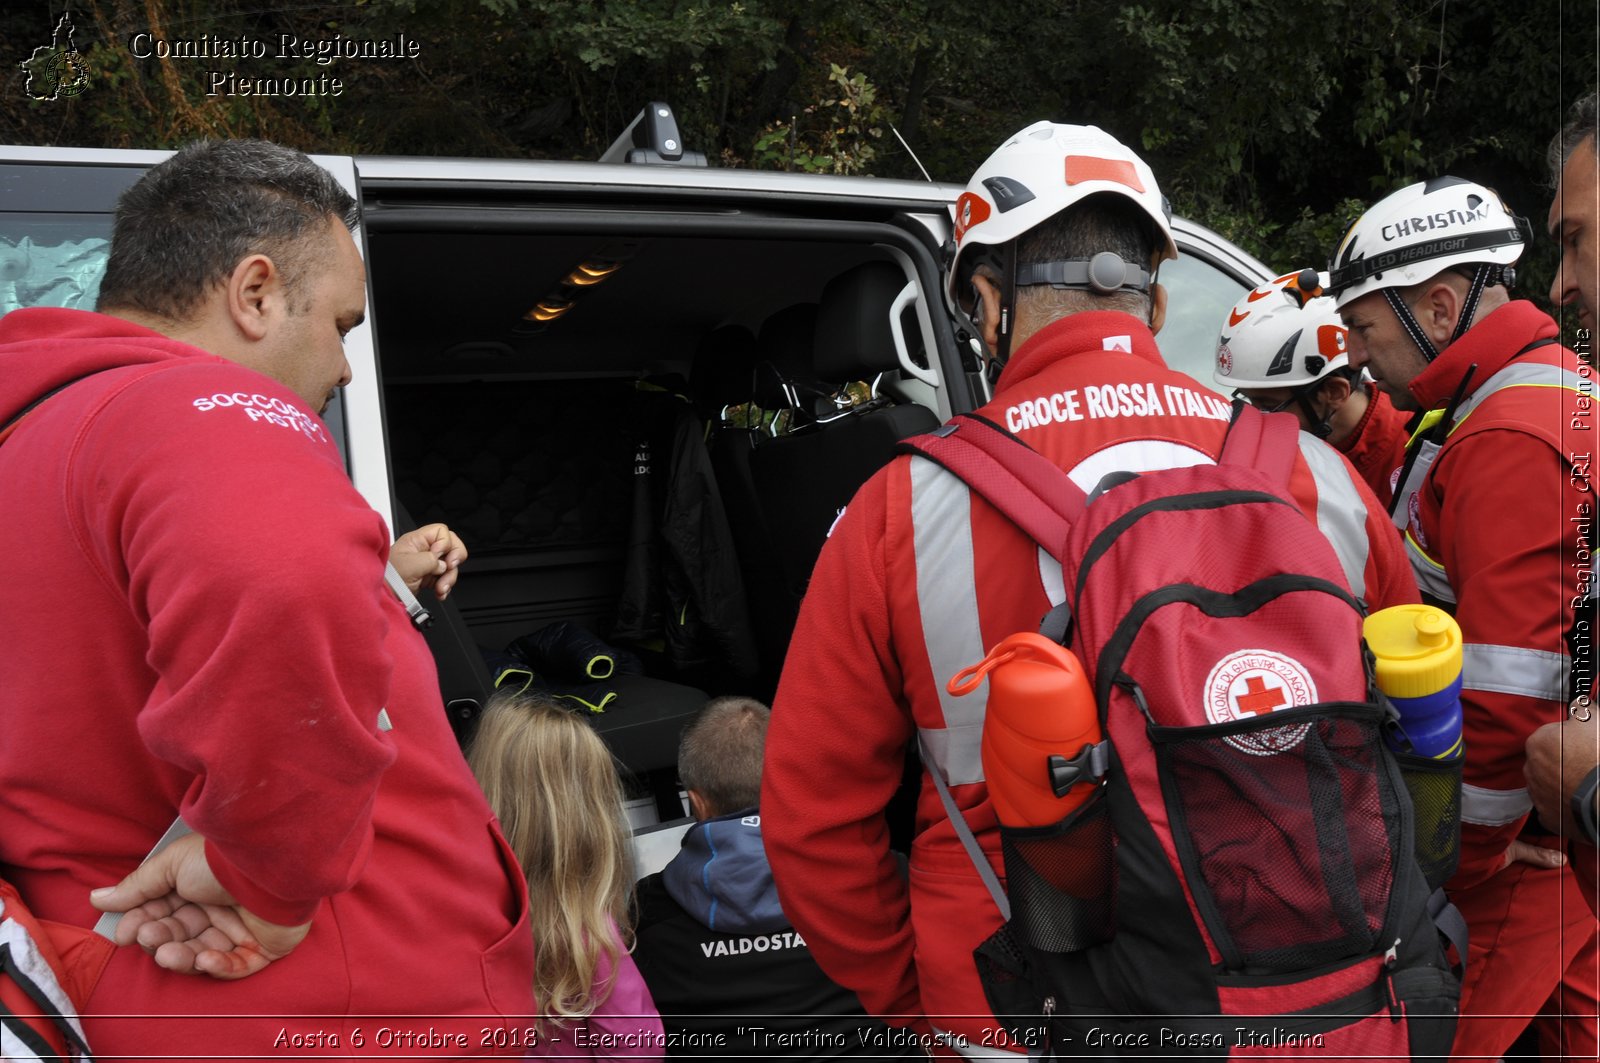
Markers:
{"x": 1452, "y": 925}
{"x": 1362, "y": 268}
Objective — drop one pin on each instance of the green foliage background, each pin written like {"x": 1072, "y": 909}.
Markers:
{"x": 1271, "y": 122}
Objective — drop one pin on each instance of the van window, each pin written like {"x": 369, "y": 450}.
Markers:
{"x": 1199, "y": 296}
{"x": 51, "y": 256}
{"x": 52, "y": 259}
{"x": 55, "y": 232}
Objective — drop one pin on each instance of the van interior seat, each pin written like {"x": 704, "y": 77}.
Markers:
{"x": 540, "y": 488}
{"x": 804, "y": 479}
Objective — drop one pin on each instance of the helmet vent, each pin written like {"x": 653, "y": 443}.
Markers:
{"x": 1283, "y": 361}
{"x": 1008, "y": 192}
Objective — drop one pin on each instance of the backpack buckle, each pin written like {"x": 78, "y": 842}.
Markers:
{"x": 1090, "y": 764}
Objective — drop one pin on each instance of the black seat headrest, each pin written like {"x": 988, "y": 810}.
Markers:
{"x": 722, "y": 373}
{"x": 853, "y": 339}
{"x": 784, "y": 349}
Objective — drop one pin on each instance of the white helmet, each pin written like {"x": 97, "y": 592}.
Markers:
{"x": 1420, "y": 231}
{"x": 1282, "y": 335}
{"x": 1039, "y": 173}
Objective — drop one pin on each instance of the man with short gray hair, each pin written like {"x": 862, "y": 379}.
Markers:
{"x": 1060, "y": 237}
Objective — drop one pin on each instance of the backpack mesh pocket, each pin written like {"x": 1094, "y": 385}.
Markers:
{"x": 1061, "y": 879}
{"x": 1288, "y": 830}
{"x": 1435, "y": 789}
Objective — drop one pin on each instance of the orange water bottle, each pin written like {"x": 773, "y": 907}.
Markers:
{"x": 1039, "y": 725}
{"x": 1040, "y": 716}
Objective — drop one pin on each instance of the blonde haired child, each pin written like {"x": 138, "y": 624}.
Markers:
{"x": 552, "y": 783}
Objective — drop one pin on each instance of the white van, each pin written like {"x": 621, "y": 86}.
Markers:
{"x": 530, "y": 325}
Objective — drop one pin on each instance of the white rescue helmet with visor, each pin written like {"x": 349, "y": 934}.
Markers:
{"x": 1284, "y": 334}
{"x": 1035, "y": 175}
{"x": 1415, "y": 234}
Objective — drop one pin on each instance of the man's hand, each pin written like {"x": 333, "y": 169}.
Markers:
{"x": 1537, "y": 855}
{"x": 430, "y": 556}
{"x": 176, "y": 910}
{"x": 1559, "y": 756}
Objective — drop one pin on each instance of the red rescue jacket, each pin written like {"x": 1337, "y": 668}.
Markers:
{"x": 917, "y": 580}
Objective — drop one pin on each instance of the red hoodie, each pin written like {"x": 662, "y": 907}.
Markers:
{"x": 196, "y": 623}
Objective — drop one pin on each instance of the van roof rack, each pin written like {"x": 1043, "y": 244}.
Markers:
{"x": 652, "y": 137}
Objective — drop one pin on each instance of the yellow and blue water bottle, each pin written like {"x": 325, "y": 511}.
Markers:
{"x": 1418, "y": 663}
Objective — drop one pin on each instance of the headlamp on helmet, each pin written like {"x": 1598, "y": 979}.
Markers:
{"x": 1419, "y": 232}
{"x": 1284, "y": 334}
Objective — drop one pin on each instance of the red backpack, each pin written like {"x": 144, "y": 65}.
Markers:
{"x": 1245, "y": 880}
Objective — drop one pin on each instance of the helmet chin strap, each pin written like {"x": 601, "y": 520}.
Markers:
{"x": 1484, "y": 275}
{"x": 1414, "y": 330}
{"x": 1469, "y": 309}
{"x": 1321, "y": 426}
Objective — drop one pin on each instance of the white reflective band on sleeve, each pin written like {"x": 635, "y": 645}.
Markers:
{"x": 1493, "y": 808}
{"x": 1341, "y": 515}
{"x": 1515, "y": 670}
{"x": 941, "y": 529}
{"x": 1519, "y": 375}
{"x": 1431, "y": 579}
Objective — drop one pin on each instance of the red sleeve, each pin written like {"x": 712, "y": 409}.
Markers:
{"x": 834, "y": 756}
{"x": 1507, "y": 541}
{"x": 257, "y": 570}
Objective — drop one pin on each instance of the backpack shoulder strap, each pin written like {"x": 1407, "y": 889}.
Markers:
{"x": 1266, "y": 442}
{"x": 959, "y": 822}
{"x": 1030, "y": 489}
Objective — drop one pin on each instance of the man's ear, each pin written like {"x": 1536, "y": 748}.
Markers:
{"x": 1437, "y": 310}
{"x": 699, "y": 806}
{"x": 254, "y": 293}
{"x": 1335, "y": 390}
{"x": 988, "y": 320}
{"x": 1158, "y": 307}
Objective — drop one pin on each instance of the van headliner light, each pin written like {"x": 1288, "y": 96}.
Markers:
{"x": 589, "y": 273}
{"x": 548, "y": 310}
